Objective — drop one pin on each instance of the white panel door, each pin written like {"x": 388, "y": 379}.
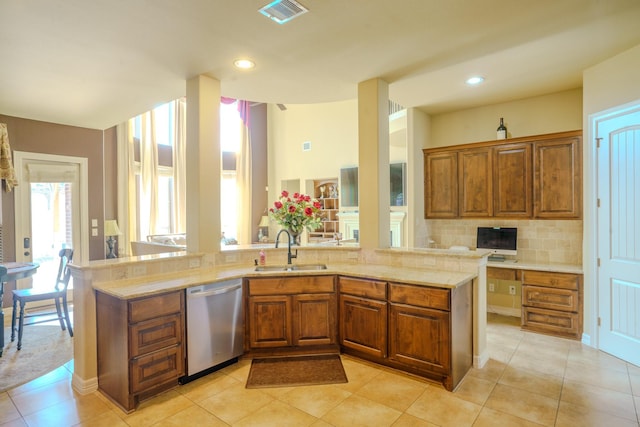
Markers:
{"x": 36, "y": 231}
{"x": 619, "y": 234}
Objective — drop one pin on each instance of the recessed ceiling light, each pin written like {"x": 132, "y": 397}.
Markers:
{"x": 475, "y": 80}
{"x": 244, "y": 63}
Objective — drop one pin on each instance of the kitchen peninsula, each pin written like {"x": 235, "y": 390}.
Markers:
{"x": 444, "y": 290}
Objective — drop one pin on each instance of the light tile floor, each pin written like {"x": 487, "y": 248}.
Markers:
{"x": 530, "y": 380}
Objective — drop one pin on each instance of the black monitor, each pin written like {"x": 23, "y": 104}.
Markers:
{"x": 499, "y": 240}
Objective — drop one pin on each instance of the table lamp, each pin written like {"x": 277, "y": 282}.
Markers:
{"x": 264, "y": 223}
{"x": 110, "y": 230}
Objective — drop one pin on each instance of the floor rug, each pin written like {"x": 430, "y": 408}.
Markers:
{"x": 296, "y": 371}
{"x": 44, "y": 348}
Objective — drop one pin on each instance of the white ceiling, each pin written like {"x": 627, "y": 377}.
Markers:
{"x": 96, "y": 63}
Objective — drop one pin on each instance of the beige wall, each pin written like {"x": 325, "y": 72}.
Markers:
{"x": 332, "y": 129}
{"x": 557, "y": 112}
{"x": 611, "y": 83}
{"x": 50, "y": 138}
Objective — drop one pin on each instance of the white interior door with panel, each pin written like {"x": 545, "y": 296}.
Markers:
{"x": 618, "y": 233}
{"x": 50, "y": 211}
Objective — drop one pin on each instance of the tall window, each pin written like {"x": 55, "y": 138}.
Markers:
{"x": 163, "y": 134}
{"x": 230, "y": 123}
{"x": 160, "y": 128}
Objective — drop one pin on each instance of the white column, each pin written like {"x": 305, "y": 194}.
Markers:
{"x": 203, "y": 165}
{"x": 373, "y": 163}
{"x": 85, "y": 347}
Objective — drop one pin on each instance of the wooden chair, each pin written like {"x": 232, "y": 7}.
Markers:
{"x": 58, "y": 294}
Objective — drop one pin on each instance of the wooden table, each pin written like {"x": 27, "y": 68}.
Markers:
{"x": 14, "y": 271}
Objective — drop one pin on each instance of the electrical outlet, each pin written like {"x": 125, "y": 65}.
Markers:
{"x": 230, "y": 258}
{"x": 139, "y": 270}
{"x": 194, "y": 263}
{"x": 492, "y": 287}
{"x": 512, "y": 290}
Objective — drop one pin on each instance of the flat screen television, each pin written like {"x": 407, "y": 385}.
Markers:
{"x": 397, "y": 185}
{"x": 499, "y": 240}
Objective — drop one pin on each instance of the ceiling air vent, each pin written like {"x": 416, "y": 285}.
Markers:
{"x": 282, "y": 11}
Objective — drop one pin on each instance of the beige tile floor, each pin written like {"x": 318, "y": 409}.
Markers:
{"x": 530, "y": 380}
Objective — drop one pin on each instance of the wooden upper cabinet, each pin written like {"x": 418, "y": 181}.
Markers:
{"x": 476, "y": 189}
{"x": 441, "y": 184}
{"x": 557, "y": 187}
{"x": 536, "y": 176}
{"x": 512, "y": 179}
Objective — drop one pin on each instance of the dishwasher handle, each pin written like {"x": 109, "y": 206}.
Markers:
{"x": 218, "y": 291}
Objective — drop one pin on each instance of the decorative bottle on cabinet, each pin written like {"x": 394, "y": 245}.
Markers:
{"x": 502, "y": 130}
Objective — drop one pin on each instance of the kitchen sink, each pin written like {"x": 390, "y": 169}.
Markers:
{"x": 292, "y": 267}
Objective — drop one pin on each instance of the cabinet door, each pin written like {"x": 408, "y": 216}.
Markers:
{"x": 557, "y": 187}
{"x": 441, "y": 185}
{"x": 476, "y": 193}
{"x": 420, "y": 337}
{"x": 512, "y": 179}
{"x": 363, "y": 325}
{"x": 314, "y": 319}
{"x": 270, "y": 321}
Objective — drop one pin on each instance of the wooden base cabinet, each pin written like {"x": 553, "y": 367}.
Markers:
{"x": 430, "y": 330}
{"x": 289, "y": 312}
{"x": 140, "y": 346}
{"x": 552, "y": 303}
{"x": 423, "y": 330}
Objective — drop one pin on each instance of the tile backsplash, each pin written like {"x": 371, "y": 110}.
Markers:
{"x": 539, "y": 241}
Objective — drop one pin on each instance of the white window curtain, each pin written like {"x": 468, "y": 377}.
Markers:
{"x": 127, "y": 220}
{"x": 179, "y": 165}
{"x": 149, "y": 175}
{"x": 243, "y": 184}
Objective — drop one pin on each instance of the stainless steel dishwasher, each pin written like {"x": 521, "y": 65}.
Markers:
{"x": 214, "y": 326}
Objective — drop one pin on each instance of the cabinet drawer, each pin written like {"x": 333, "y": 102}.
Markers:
{"x": 552, "y": 280}
{"x": 157, "y": 368}
{"x": 292, "y": 285}
{"x": 419, "y": 296}
{"x": 152, "y": 335}
{"x": 550, "y": 298}
{"x": 155, "y": 306}
{"x": 363, "y": 288}
{"x": 559, "y": 323}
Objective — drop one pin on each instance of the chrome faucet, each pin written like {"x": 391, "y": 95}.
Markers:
{"x": 289, "y": 255}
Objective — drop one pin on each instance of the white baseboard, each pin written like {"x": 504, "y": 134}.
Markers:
{"x": 83, "y": 386}
{"x": 504, "y": 311}
{"x": 586, "y": 339}
{"x": 480, "y": 360}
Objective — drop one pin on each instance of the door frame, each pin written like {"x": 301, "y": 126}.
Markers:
{"x": 20, "y": 159}
{"x": 590, "y": 240}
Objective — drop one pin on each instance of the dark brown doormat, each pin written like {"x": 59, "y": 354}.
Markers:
{"x": 296, "y": 371}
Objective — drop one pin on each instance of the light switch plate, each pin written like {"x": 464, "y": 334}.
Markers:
{"x": 94, "y": 232}
{"x": 94, "y": 222}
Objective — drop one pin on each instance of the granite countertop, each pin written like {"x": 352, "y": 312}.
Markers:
{"x": 150, "y": 285}
{"x": 522, "y": 265}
